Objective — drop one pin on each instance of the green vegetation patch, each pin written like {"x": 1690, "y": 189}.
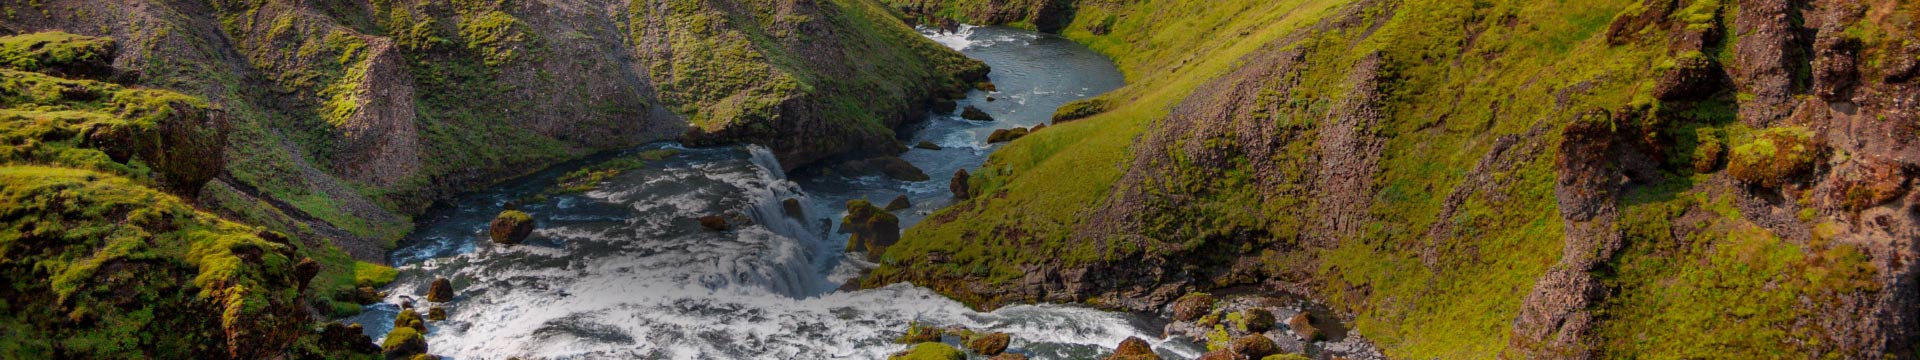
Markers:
{"x": 57, "y": 51}
{"x": 103, "y": 266}
{"x": 1774, "y": 157}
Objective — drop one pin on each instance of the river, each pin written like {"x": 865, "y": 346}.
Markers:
{"x": 625, "y": 271}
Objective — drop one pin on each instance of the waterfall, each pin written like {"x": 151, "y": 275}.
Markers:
{"x": 799, "y": 277}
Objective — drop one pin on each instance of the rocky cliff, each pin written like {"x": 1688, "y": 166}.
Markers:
{"x": 1641, "y": 178}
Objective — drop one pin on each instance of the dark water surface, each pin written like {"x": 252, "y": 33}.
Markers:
{"x": 626, "y": 271}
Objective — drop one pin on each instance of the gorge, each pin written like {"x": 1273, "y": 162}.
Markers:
{"x": 917, "y": 179}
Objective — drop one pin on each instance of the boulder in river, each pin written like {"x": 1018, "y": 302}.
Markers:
{"x": 986, "y": 86}
{"x": 406, "y": 318}
{"x": 403, "y": 343}
{"x": 927, "y": 145}
{"x": 899, "y": 203}
{"x": 917, "y": 333}
{"x": 959, "y": 185}
{"x": 510, "y": 227}
{"x": 791, "y": 207}
{"x": 891, "y": 166}
{"x": 1008, "y": 356}
{"x": 440, "y": 291}
{"x": 930, "y": 351}
{"x": 873, "y": 228}
{"x": 1133, "y": 348}
{"x": 990, "y": 344}
{"x": 714, "y": 222}
{"x": 437, "y": 314}
{"x": 975, "y": 114}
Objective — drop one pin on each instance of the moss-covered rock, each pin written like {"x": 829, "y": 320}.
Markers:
{"x": 1005, "y": 135}
{"x": 510, "y": 227}
{"x": 990, "y": 344}
{"x": 1775, "y": 157}
{"x": 1255, "y": 346}
{"x": 407, "y": 318}
{"x": 59, "y": 53}
{"x": 930, "y": 351}
{"x": 437, "y": 313}
{"x": 1302, "y": 325}
{"x": 917, "y": 333}
{"x": 1133, "y": 348}
{"x": 1192, "y": 306}
{"x": 873, "y": 228}
{"x": 403, "y": 343}
{"x": 1255, "y": 320}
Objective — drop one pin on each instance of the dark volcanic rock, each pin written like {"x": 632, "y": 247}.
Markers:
{"x": 899, "y": 203}
{"x": 1255, "y": 346}
{"x": 1302, "y": 325}
{"x": 305, "y": 271}
{"x": 990, "y": 344}
{"x": 1005, "y": 135}
{"x": 791, "y": 207}
{"x": 975, "y": 114}
{"x": 340, "y": 337}
{"x": 927, "y": 145}
{"x": 892, "y": 167}
{"x": 436, "y": 314}
{"x": 714, "y": 223}
{"x": 1257, "y": 320}
{"x": 1192, "y": 306}
{"x": 1692, "y": 77}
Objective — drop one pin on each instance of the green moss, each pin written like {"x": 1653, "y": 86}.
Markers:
{"x": 371, "y": 274}
{"x": 53, "y": 50}
{"x": 400, "y": 336}
{"x": 1774, "y": 157}
{"x": 931, "y": 351}
{"x": 107, "y": 267}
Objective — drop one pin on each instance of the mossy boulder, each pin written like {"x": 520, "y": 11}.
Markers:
{"x": 1775, "y": 157}
{"x": 337, "y": 337}
{"x": 917, "y": 333}
{"x": 407, "y": 318}
{"x": 930, "y": 351}
{"x": 403, "y": 343}
{"x": 987, "y": 86}
{"x": 1079, "y": 109}
{"x": 1302, "y": 325}
{"x": 511, "y": 227}
{"x": 899, "y": 203}
{"x": 1192, "y": 306}
{"x": 1255, "y": 346}
{"x": 1256, "y": 320}
{"x": 990, "y": 344}
{"x": 440, "y": 291}
{"x": 975, "y": 114}
{"x": 873, "y": 228}
{"x": 59, "y": 53}
{"x": 1133, "y": 348}
{"x": 437, "y": 314}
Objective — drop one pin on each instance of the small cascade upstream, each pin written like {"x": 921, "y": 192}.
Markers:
{"x": 625, "y": 270}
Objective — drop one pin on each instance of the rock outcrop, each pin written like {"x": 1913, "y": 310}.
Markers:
{"x": 440, "y": 291}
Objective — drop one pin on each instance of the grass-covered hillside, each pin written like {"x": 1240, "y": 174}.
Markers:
{"x": 1471, "y": 179}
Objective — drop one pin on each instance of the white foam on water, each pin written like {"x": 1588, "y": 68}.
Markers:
{"x": 961, "y": 39}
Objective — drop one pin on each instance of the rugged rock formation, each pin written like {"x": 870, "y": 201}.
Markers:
{"x": 975, "y": 114}
{"x": 959, "y": 185}
{"x": 899, "y": 203}
{"x": 890, "y": 166}
{"x": 989, "y": 344}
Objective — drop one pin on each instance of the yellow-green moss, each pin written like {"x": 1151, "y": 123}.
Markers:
{"x": 53, "y": 49}
{"x": 1775, "y": 156}
{"x": 931, "y": 351}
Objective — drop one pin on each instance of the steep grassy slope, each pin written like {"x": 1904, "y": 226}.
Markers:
{"x": 1473, "y": 179}
{"x": 100, "y": 262}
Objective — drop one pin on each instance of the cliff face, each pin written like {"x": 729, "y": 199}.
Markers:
{"x": 1601, "y": 179}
